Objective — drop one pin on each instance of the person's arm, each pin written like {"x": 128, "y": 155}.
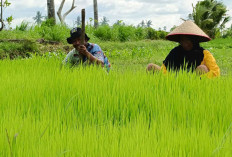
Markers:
{"x": 210, "y": 62}
{"x": 68, "y": 57}
{"x": 82, "y": 50}
{"x": 164, "y": 69}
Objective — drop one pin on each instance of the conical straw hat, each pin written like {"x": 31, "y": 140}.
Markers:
{"x": 188, "y": 28}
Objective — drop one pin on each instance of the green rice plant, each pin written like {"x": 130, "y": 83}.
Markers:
{"x": 52, "y": 110}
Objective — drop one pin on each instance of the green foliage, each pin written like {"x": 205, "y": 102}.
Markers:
{"x": 151, "y": 34}
{"x": 49, "y": 31}
{"x": 148, "y": 23}
{"x": 127, "y": 33}
{"x": 104, "y": 21}
{"x": 9, "y": 19}
{"x": 140, "y": 33}
{"x": 155, "y": 35}
{"x": 29, "y": 34}
{"x": 38, "y": 18}
{"x": 103, "y": 33}
{"x": 119, "y": 22}
{"x": 5, "y": 5}
{"x": 210, "y": 15}
{"x": 48, "y": 23}
{"x": 21, "y": 49}
{"x": 23, "y": 26}
{"x": 227, "y": 33}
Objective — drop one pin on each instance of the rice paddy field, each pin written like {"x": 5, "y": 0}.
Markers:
{"x": 48, "y": 110}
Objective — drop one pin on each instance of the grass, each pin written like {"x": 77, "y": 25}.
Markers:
{"x": 50, "y": 110}
{"x": 19, "y": 49}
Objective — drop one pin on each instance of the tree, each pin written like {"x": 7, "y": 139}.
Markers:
{"x": 95, "y": 13}
{"x": 149, "y": 23}
{"x": 165, "y": 28}
{"x": 173, "y": 27}
{"x": 8, "y": 19}
{"x": 119, "y": 23}
{"x": 210, "y": 16}
{"x": 51, "y": 10}
{"x": 38, "y": 18}
{"x": 104, "y": 21}
{"x": 142, "y": 24}
{"x": 62, "y": 17}
{"x": 78, "y": 21}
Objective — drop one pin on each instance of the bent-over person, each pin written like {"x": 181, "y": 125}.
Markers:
{"x": 188, "y": 55}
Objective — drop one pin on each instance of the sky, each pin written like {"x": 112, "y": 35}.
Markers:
{"x": 161, "y": 12}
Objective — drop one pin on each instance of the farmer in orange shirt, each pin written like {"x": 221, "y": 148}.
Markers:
{"x": 188, "y": 55}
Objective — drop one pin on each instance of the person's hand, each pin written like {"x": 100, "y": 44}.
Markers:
{"x": 82, "y": 50}
{"x": 153, "y": 68}
{"x": 201, "y": 69}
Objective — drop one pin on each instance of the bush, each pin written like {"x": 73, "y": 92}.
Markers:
{"x": 23, "y": 26}
{"x": 155, "y": 35}
{"x": 48, "y": 31}
{"x": 140, "y": 33}
{"x": 151, "y": 34}
{"x": 14, "y": 50}
{"x": 162, "y": 34}
{"x": 227, "y": 33}
{"x": 125, "y": 33}
{"x": 119, "y": 33}
{"x": 103, "y": 33}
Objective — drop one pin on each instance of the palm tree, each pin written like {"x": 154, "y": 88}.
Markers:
{"x": 210, "y": 16}
{"x": 38, "y": 18}
{"x": 149, "y": 23}
{"x": 105, "y": 21}
{"x": 142, "y": 24}
{"x": 95, "y": 13}
{"x": 78, "y": 21}
{"x": 119, "y": 23}
{"x": 51, "y": 10}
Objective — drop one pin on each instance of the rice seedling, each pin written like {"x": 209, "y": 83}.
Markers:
{"x": 49, "y": 110}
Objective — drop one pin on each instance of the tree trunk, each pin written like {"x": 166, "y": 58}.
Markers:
{"x": 95, "y": 13}
{"x": 51, "y": 10}
{"x": 1, "y": 20}
{"x": 62, "y": 17}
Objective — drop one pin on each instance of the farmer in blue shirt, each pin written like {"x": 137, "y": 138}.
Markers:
{"x": 87, "y": 53}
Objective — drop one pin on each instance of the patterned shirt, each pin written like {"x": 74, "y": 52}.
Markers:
{"x": 74, "y": 59}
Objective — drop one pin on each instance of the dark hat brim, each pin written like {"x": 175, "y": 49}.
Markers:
{"x": 71, "y": 39}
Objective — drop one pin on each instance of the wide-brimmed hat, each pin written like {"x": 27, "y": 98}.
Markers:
{"x": 74, "y": 34}
{"x": 190, "y": 29}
